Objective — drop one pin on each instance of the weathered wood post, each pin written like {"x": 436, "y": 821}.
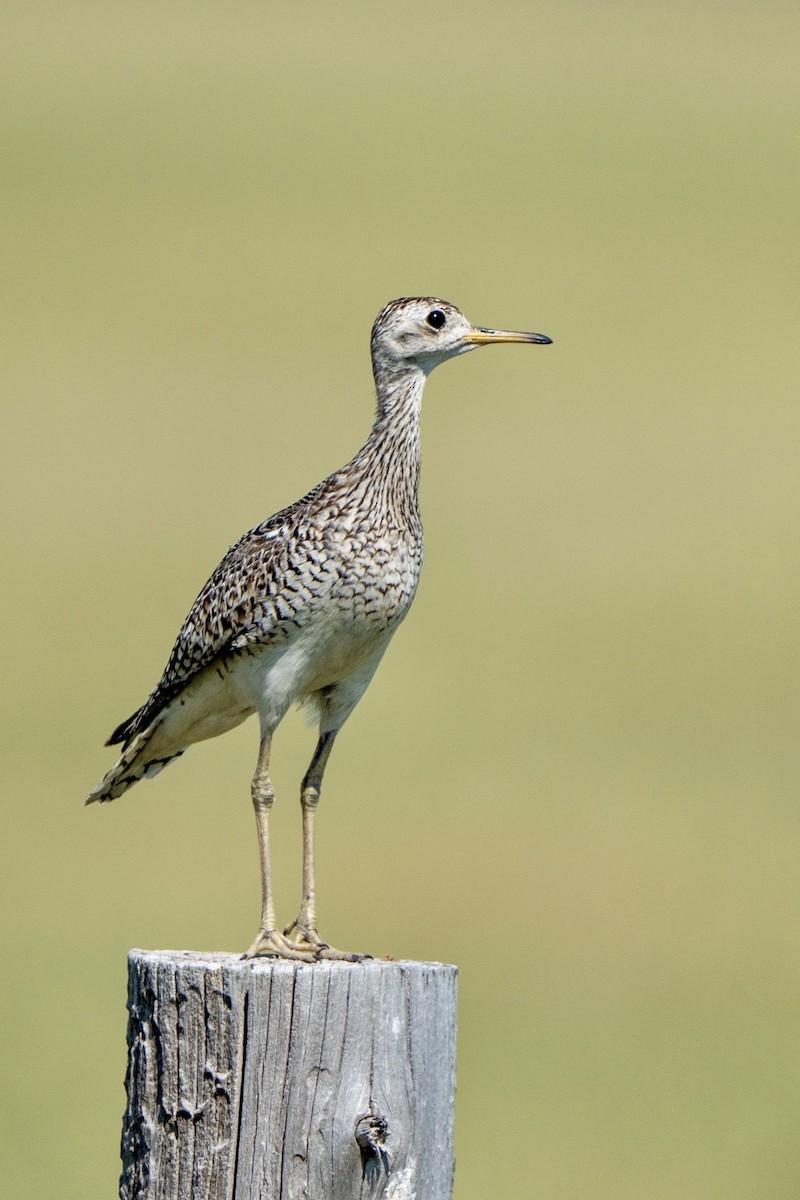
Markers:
{"x": 276, "y": 1080}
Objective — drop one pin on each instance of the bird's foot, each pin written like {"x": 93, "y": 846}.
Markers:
{"x": 272, "y": 941}
{"x": 308, "y": 941}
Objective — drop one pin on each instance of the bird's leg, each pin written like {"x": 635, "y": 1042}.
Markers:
{"x": 305, "y": 923}
{"x": 269, "y": 939}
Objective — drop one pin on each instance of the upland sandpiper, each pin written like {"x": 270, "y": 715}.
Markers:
{"x": 303, "y": 606}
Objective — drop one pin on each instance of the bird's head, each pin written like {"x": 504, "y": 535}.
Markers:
{"x": 421, "y": 332}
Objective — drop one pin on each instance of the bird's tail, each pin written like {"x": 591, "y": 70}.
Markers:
{"x": 142, "y": 758}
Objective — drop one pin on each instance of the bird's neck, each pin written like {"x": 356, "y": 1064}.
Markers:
{"x": 390, "y": 458}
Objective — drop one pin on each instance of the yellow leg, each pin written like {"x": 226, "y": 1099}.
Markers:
{"x": 308, "y": 939}
{"x": 268, "y": 940}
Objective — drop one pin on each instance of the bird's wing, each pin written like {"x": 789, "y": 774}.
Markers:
{"x": 249, "y": 600}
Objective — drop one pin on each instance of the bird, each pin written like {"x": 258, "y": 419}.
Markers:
{"x": 302, "y": 608}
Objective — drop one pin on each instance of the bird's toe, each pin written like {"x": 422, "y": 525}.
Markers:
{"x": 272, "y": 942}
{"x": 307, "y": 940}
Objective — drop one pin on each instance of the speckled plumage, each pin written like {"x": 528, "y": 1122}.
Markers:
{"x": 319, "y": 561}
{"x": 303, "y": 606}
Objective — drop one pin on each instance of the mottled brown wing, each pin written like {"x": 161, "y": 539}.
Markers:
{"x": 235, "y": 608}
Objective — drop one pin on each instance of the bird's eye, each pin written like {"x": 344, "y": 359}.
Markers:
{"x": 436, "y": 319}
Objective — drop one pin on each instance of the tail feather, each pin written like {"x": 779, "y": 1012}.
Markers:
{"x": 139, "y": 760}
{"x": 124, "y": 732}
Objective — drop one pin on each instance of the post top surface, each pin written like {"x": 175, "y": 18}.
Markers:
{"x": 214, "y": 959}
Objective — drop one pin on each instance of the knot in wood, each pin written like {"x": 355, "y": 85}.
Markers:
{"x": 371, "y": 1132}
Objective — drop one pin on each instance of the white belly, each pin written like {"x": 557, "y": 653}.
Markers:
{"x": 268, "y": 680}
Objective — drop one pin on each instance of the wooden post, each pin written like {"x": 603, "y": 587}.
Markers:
{"x": 277, "y": 1080}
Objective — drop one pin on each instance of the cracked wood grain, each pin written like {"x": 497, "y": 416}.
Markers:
{"x": 273, "y": 1080}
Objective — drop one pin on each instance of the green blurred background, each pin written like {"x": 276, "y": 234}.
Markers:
{"x": 575, "y": 774}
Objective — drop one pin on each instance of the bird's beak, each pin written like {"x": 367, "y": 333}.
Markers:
{"x": 487, "y": 337}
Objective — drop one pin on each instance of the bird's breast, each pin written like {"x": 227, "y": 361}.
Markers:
{"x": 376, "y": 577}
{"x": 335, "y": 611}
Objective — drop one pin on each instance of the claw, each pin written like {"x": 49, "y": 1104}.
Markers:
{"x": 309, "y": 941}
{"x": 271, "y": 941}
